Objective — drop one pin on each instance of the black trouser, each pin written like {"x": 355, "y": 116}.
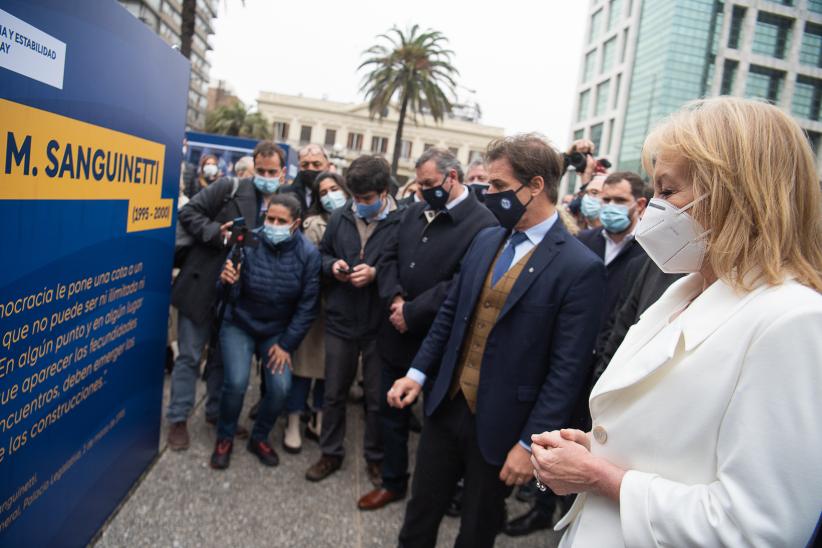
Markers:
{"x": 449, "y": 450}
{"x": 394, "y": 423}
{"x": 341, "y": 359}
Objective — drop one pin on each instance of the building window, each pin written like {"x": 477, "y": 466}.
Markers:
{"x": 772, "y": 35}
{"x": 588, "y": 72}
{"x": 608, "y": 52}
{"x": 602, "y": 97}
{"x": 474, "y": 155}
{"x": 737, "y": 18}
{"x": 355, "y": 141}
{"x": 807, "y": 98}
{"x": 405, "y": 151}
{"x": 624, "y": 46}
{"x": 815, "y": 6}
{"x": 617, "y": 88}
{"x": 330, "y": 137}
{"x": 305, "y": 135}
{"x": 584, "y": 99}
{"x": 811, "y": 51}
{"x": 379, "y": 145}
{"x": 610, "y": 143}
{"x": 814, "y": 138}
{"x": 596, "y": 135}
{"x": 728, "y": 76}
{"x": 579, "y": 134}
{"x": 596, "y": 23}
{"x": 454, "y": 150}
{"x": 426, "y": 146}
{"x": 614, "y": 7}
{"x": 281, "y": 131}
{"x": 764, "y": 83}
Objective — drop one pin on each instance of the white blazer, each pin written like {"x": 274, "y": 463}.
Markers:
{"x": 717, "y": 416}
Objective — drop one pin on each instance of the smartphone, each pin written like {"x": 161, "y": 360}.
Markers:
{"x": 348, "y": 271}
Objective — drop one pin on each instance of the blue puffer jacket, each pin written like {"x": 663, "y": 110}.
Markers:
{"x": 278, "y": 291}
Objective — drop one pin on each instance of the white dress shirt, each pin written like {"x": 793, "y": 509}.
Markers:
{"x": 612, "y": 248}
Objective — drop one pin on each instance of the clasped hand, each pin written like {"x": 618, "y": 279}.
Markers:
{"x": 562, "y": 460}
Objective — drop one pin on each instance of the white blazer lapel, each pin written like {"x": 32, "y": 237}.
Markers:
{"x": 635, "y": 359}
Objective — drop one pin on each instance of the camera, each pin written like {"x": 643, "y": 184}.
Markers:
{"x": 576, "y": 160}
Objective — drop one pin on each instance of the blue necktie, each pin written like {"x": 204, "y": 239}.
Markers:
{"x": 507, "y": 256}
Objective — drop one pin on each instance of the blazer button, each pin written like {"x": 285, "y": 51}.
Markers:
{"x": 424, "y": 239}
{"x": 412, "y": 265}
{"x": 600, "y": 435}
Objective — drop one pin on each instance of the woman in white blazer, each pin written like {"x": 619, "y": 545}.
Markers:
{"x": 707, "y": 424}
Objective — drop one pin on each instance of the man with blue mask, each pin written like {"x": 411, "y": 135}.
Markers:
{"x": 352, "y": 247}
{"x": 207, "y": 218}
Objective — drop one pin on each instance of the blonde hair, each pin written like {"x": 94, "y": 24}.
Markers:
{"x": 763, "y": 206}
{"x": 568, "y": 220}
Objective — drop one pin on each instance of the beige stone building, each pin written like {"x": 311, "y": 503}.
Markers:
{"x": 346, "y": 130}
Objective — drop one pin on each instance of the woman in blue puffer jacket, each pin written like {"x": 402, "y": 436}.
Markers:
{"x": 272, "y": 304}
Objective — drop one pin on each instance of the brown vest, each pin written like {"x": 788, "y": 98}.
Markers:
{"x": 486, "y": 311}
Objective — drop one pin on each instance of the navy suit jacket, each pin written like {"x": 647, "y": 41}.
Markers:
{"x": 538, "y": 354}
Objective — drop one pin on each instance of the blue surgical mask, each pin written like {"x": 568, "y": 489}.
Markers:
{"x": 615, "y": 218}
{"x": 277, "y": 234}
{"x": 369, "y": 211}
{"x": 333, "y": 200}
{"x": 266, "y": 185}
{"x": 590, "y": 207}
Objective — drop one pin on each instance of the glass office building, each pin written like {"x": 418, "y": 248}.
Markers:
{"x": 643, "y": 59}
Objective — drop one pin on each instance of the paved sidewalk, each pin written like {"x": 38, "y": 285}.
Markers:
{"x": 183, "y": 503}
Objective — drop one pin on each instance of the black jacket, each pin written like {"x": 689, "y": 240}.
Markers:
{"x": 194, "y": 291}
{"x": 353, "y": 313}
{"x": 298, "y": 190}
{"x": 616, "y": 269}
{"x": 646, "y": 285}
{"x": 419, "y": 263}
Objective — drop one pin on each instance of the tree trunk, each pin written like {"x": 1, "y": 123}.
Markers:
{"x": 188, "y": 17}
{"x": 395, "y": 161}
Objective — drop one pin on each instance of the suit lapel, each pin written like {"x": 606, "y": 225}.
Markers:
{"x": 542, "y": 256}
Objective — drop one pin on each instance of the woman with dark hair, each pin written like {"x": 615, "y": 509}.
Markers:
{"x": 272, "y": 304}
{"x": 208, "y": 172}
{"x": 309, "y": 360}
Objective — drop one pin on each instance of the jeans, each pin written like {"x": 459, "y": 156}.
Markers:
{"x": 298, "y": 396}
{"x": 191, "y": 339}
{"x": 238, "y": 347}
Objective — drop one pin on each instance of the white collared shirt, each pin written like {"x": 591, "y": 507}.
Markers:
{"x": 458, "y": 200}
{"x": 612, "y": 248}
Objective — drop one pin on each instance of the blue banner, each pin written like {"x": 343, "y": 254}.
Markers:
{"x": 92, "y": 113}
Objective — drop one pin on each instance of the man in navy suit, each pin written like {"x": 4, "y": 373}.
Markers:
{"x": 508, "y": 353}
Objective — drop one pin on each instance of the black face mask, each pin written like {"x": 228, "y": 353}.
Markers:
{"x": 506, "y": 207}
{"x": 479, "y": 190}
{"x": 436, "y": 196}
{"x": 306, "y": 178}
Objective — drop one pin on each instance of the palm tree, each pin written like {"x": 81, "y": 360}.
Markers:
{"x": 236, "y": 120}
{"x": 414, "y": 67}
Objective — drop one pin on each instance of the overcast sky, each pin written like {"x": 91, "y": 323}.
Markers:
{"x": 521, "y": 57}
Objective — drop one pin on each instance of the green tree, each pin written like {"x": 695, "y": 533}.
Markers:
{"x": 238, "y": 121}
{"x": 414, "y": 68}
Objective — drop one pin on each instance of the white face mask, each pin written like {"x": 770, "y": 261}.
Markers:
{"x": 210, "y": 171}
{"x": 671, "y": 237}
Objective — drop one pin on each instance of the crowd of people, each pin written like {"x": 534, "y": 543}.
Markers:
{"x": 642, "y": 356}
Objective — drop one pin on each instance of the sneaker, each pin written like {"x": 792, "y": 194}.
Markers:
{"x": 178, "y": 439}
{"x": 323, "y": 468}
{"x": 292, "y": 442}
{"x": 264, "y": 452}
{"x": 221, "y": 456}
{"x": 374, "y": 471}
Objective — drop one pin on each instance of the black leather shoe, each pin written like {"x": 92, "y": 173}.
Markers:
{"x": 527, "y": 493}
{"x": 533, "y": 520}
{"x": 221, "y": 456}
{"x": 264, "y": 452}
{"x": 455, "y": 506}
